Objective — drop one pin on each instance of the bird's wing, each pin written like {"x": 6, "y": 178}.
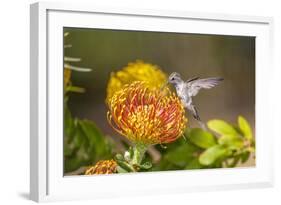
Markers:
{"x": 194, "y": 85}
{"x": 191, "y": 79}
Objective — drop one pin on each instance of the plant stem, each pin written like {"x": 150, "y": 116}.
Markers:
{"x": 139, "y": 151}
{"x": 75, "y": 89}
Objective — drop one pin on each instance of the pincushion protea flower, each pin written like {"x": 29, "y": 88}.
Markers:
{"x": 135, "y": 71}
{"x": 102, "y": 167}
{"x": 146, "y": 116}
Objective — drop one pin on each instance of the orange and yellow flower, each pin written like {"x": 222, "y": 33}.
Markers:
{"x": 102, "y": 167}
{"x": 147, "y": 116}
{"x": 135, "y": 71}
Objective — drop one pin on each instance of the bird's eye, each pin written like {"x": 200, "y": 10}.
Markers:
{"x": 173, "y": 78}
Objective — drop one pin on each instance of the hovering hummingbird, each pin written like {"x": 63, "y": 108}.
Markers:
{"x": 190, "y": 88}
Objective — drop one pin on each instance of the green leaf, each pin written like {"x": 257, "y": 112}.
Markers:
{"x": 78, "y": 137}
{"x": 85, "y": 145}
{"x": 68, "y": 122}
{"x": 245, "y": 128}
{"x": 131, "y": 151}
{"x": 212, "y": 154}
{"x": 194, "y": 164}
{"x": 201, "y": 138}
{"x": 125, "y": 165}
{"x": 181, "y": 155}
{"x": 146, "y": 165}
{"x": 121, "y": 170}
{"x": 67, "y": 151}
{"x": 232, "y": 142}
{"x": 234, "y": 162}
{"x": 245, "y": 156}
{"x": 97, "y": 142}
{"x": 129, "y": 155}
{"x": 222, "y": 127}
{"x": 119, "y": 157}
{"x": 90, "y": 129}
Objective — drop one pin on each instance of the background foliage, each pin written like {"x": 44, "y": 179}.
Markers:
{"x": 84, "y": 143}
{"x": 202, "y": 149}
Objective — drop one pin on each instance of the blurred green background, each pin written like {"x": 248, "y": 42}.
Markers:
{"x": 230, "y": 57}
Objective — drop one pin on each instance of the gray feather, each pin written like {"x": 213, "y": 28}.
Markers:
{"x": 195, "y": 85}
{"x": 192, "y": 79}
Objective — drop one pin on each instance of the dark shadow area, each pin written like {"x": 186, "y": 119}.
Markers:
{"x": 24, "y": 195}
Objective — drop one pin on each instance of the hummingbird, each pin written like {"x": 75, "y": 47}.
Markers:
{"x": 190, "y": 88}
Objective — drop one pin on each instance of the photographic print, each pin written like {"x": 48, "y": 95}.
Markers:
{"x": 142, "y": 101}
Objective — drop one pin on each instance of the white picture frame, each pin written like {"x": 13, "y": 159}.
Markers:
{"x": 47, "y": 182}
